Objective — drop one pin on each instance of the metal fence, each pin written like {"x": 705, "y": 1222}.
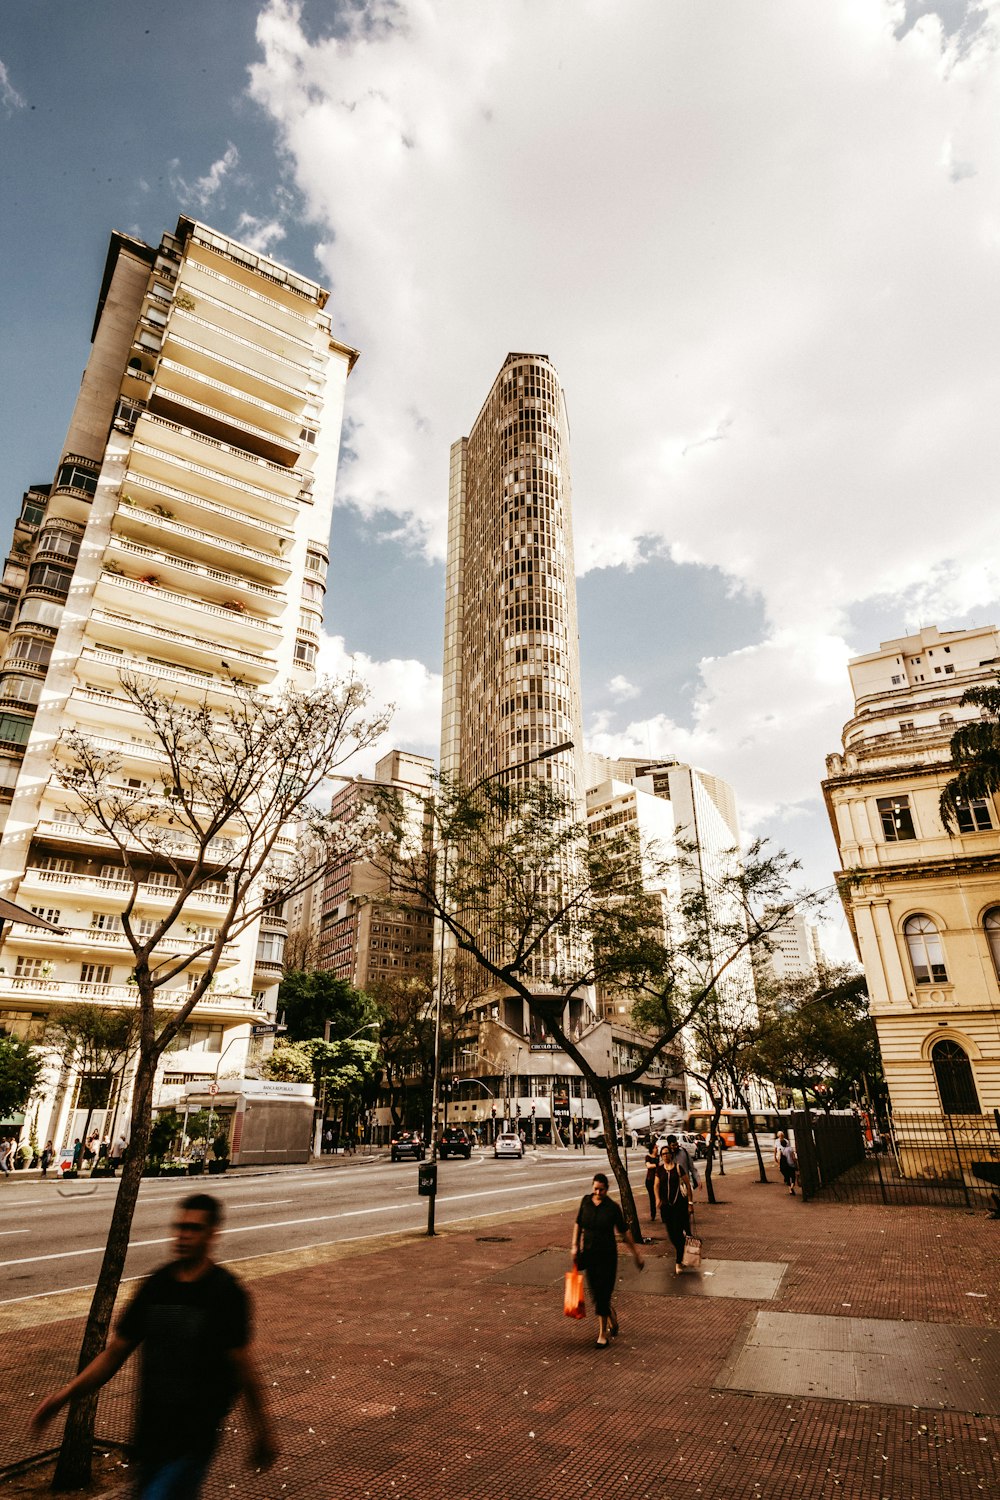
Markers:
{"x": 950, "y": 1161}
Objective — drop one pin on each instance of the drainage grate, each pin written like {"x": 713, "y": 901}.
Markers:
{"x": 492, "y": 1239}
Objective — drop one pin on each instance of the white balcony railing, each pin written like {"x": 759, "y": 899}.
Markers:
{"x": 52, "y": 991}
{"x": 298, "y": 369}
{"x": 297, "y": 392}
{"x": 215, "y": 575}
{"x": 100, "y": 937}
{"x": 72, "y": 880}
{"x": 181, "y": 847}
{"x": 143, "y": 668}
{"x": 175, "y": 528}
{"x": 220, "y": 414}
{"x": 192, "y": 642}
{"x": 187, "y": 601}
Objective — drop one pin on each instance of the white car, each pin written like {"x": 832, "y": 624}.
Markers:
{"x": 508, "y": 1144}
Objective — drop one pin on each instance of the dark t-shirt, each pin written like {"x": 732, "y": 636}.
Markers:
{"x": 598, "y": 1223}
{"x": 187, "y": 1384}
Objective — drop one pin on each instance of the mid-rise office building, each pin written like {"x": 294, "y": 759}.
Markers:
{"x": 922, "y": 901}
{"x": 795, "y": 950}
{"x": 182, "y": 540}
{"x": 365, "y": 937}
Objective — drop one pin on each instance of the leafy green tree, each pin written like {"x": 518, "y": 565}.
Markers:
{"x": 405, "y": 1007}
{"x": 290, "y": 1062}
{"x": 975, "y": 754}
{"x": 817, "y": 1038}
{"x": 97, "y": 1042}
{"x": 313, "y": 998}
{"x": 549, "y": 915}
{"x": 20, "y": 1070}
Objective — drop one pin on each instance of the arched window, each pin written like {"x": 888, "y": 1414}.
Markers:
{"x": 926, "y": 950}
{"x": 991, "y": 923}
{"x": 955, "y": 1082}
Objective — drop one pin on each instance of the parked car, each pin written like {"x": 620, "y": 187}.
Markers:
{"x": 697, "y": 1145}
{"x": 508, "y": 1144}
{"x": 455, "y": 1142}
{"x": 407, "y": 1145}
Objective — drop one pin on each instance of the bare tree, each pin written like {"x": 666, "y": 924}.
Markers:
{"x": 231, "y": 782}
{"x": 550, "y": 915}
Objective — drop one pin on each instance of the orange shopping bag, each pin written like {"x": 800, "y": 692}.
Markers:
{"x": 573, "y": 1303}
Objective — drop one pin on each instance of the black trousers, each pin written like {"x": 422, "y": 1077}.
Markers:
{"x": 651, "y": 1193}
{"x": 678, "y": 1224}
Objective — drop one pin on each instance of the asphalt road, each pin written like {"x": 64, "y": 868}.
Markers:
{"x": 52, "y": 1233}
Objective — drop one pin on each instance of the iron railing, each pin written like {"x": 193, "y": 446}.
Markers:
{"x": 930, "y": 1159}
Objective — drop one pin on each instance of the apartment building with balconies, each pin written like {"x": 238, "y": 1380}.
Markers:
{"x": 181, "y": 539}
{"x": 922, "y": 901}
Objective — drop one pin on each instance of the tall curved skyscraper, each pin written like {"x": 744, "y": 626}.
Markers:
{"x": 511, "y": 652}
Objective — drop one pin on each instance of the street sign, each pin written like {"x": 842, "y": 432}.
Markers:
{"x": 213, "y": 1088}
{"x": 263, "y": 1030}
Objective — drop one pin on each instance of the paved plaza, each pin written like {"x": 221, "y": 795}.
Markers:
{"x": 825, "y": 1351}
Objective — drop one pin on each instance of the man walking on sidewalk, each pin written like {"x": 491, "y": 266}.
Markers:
{"x": 192, "y": 1318}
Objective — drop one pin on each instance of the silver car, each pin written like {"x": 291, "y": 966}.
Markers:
{"x": 508, "y": 1144}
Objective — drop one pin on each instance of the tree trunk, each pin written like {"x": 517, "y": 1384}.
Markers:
{"x": 742, "y": 1102}
{"x": 73, "y": 1469}
{"x": 713, "y": 1136}
{"x": 604, "y": 1097}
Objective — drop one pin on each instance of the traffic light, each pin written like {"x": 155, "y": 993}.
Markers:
{"x": 493, "y": 1111}
{"x": 532, "y": 1109}
{"x": 517, "y": 1110}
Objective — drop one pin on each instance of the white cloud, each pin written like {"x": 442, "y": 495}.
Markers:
{"x": 10, "y": 99}
{"x": 204, "y": 189}
{"x": 760, "y": 244}
{"x": 770, "y": 746}
{"x": 260, "y": 234}
{"x": 413, "y": 692}
{"x": 620, "y": 687}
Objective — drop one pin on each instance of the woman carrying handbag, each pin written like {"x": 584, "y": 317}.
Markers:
{"x": 673, "y": 1196}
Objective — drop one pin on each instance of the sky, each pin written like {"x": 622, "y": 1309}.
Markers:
{"x": 759, "y": 243}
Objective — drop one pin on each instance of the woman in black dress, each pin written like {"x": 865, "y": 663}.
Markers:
{"x": 673, "y": 1192}
{"x": 595, "y": 1252}
{"x": 652, "y": 1162}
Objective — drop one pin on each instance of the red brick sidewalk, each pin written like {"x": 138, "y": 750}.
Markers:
{"x": 413, "y": 1372}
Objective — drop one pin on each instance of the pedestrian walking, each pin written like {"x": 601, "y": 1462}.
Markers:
{"x": 652, "y": 1162}
{"x": 47, "y": 1157}
{"x": 595, "y": 1252}
{"x": 673, "y": 1196}
{"x": 788, "y": 1162}
{"x": 77, "y": 1153}
{"x": 7, "y": 1156}
{"x": 192, "y": 1319}
{"x": 685, "y": 1160}
{"x": 117, "y": 1154}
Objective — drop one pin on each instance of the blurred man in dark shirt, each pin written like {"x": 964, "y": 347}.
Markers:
{"x": 192, "y": 1319}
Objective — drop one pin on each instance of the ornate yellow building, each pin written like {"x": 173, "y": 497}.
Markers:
{"x": 923, "y": 903}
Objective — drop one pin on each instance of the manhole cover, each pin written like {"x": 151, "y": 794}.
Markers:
{"x": 493, "y": 1239}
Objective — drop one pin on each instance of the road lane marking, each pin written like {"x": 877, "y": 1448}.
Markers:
{"x": 351, "y": 1213}
{"x": 13, "y": 1231}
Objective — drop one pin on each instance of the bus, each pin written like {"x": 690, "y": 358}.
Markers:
{"x": 734, "y": 1124}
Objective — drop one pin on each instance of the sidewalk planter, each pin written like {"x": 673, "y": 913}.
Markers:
{"x": 195, "y": 1168}
{"x": 215, "y": 1167}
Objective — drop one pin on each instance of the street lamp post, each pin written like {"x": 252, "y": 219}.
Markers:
{"x": 559, "y": 749}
